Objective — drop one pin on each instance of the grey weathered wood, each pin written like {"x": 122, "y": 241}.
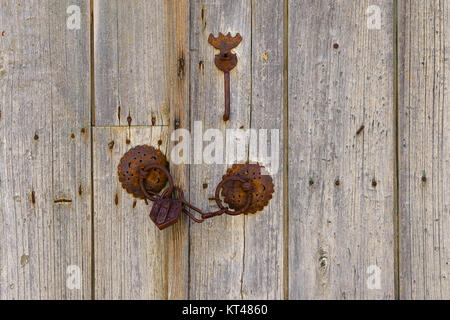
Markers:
{"x": 337, "y": 231}
{"x": 44, "y": 150}
{"x": 263, "y": 270}
{"x": 424, "y": 149}
{"x": 130, "y": 251}
{"x": 130, "y": 62}
{"x": 152, "y": 60}
{"x": 141, "y": 65}
{"x": 217, "y": 247}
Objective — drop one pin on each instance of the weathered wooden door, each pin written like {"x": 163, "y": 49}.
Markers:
{"x": 352, "y": 94}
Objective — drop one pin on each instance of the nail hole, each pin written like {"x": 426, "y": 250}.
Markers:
{"x": 360, "y": 130}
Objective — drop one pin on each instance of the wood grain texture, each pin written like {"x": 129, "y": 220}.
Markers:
{"x": 341, "y": 154}
{"x": 142, "y": 65}
{"x": 217, "y": 246}
{"x": 263, "y": 270}
{"x": 44, "y": 151}
{"x": 424, "y": 149}
{"x": 154, "y": 73}
{"x": 130, "y": 251}
{"x": 178, "y": 75}
{"x": 131, "y": 46}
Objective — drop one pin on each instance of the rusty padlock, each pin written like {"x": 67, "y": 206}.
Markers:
{"x": 165, "y": 212}
{"x": 166, "y": 209}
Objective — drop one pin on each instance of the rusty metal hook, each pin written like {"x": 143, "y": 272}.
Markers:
{"x": 225, "y": 61}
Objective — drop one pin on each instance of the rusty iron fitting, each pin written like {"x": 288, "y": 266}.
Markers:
{"x": 130, "y": 166}
{"x": 143, "y": 172}
{"x": 225, "y": 61}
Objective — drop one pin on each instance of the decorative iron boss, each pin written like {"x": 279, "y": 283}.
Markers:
{"x": 143, "y": 172}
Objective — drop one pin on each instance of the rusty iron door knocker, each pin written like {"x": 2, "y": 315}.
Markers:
{"x": 225, "y": 61}
{"x": 143, "y": 172}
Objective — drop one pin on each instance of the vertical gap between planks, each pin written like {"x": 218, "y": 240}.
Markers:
{"x": 397, "y": 167}
{"x": 251, "y": 81}
{"x": 188, "y": 166}
{"x": 248, "y": 151}
{"x": 92, "y": 151}
{"x": 396, "y": 159}
{"x": 285, "y": 149}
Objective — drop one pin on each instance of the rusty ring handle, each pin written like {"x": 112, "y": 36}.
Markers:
{"x": 222, "y": 208}
{"x": 246, "y": 188}
{"x": 154, "y": 195}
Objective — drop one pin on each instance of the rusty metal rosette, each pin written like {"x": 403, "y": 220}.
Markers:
{"x": 133, "y": 164}
{"x": 236, "y": 194}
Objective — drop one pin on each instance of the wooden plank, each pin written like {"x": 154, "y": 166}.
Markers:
{"x": 141, "y": 65}
{"x": 263, "y": 269}
{"x": 217, "y": 249}
{"x": 45, "y": 198}
{"x": 341, "y": 155}
{"x": 130, "y": 251}
{"x": 131, "y": 46}
{"x": 178, "y": 75}
{"x": 424, "y": 149}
